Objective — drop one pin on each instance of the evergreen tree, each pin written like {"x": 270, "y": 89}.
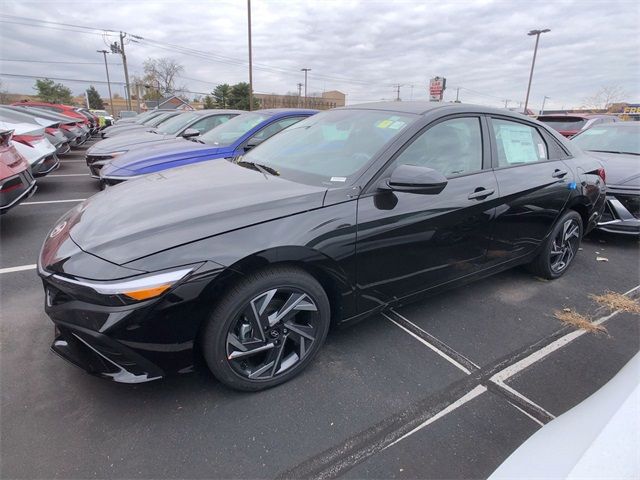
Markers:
{"x": 221, "y": 95}
{"x": 239, "y": 97}
{"x": 94, "y": 98}
{"x": 209, "y": 102}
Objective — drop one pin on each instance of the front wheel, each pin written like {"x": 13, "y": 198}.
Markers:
{"x": 560, "y": 248}
{"x": 266, "y": 329}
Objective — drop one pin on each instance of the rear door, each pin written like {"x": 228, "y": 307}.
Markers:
{"x": 534, "y": 187}
{"x": 410, "y": 242}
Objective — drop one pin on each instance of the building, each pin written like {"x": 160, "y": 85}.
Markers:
{"x": 327, "y": 100}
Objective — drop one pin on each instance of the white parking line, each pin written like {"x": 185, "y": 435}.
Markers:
{"x": 480, "y": 389}
{"x": 432, "y": 347}
{"x": 55, "y": 201}
{"x": 18, "y": 269}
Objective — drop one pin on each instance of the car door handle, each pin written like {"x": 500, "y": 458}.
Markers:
{"x": 557, "y": 173}
{"x": 481, "y": 193}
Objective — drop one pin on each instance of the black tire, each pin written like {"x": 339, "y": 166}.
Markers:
{"x": 557, "y": 252}
{"x": 301, "y": 332}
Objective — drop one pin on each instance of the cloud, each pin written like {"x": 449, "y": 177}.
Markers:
{"x": 362, "y": 48}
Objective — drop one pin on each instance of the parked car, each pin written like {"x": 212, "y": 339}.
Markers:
{"x": 106, "y": 119}
{"x": 141, "y": 117}
{"x": 52, "y": 129}
{"x": 346, "y": 213}
{"x": 30, "y": 141}
{"x": 74, "y": 130}
{"x": 94, "y": 121}
{"x": 571, "y": 124}
{"x": 126, "y": 114}
{"x": 146, "y": 126}
{"x": 234, "y": 138}
{"x": 67, "y": 110}
{"x": 16, "y": 181}
{"x": 617, "y": 146}
{"x": 186, "y": 125}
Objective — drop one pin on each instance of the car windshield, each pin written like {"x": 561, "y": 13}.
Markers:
{"x": 145, "y": 117}
{"x": 100, "y": 112}
{"x": 616, "y": 138}
{"x": 564, "y": 124}
{"x": 233, "y": 129}
{"x": 331, "y": 147}
{"x": 155, "y": 121}
{"x": 177, "y": 123}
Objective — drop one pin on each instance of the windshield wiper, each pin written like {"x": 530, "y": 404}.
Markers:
{"x": 261, "y": 168}
{"x": 613, "y": 151}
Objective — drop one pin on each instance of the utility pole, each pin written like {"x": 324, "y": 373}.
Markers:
{"x": 250, "y": 59}
{"x": 106, "y": 67}
{"x": 506, "y": 103}
{"x": 457, "y": 95}
{"x": 305, "y": 70}
{"x": 543, "y": 102}
{"x": 119, "y": 48}
{"x": 537, "y": 33}
{"x": 397, "y": 88}
{"x": 299, "y": 93}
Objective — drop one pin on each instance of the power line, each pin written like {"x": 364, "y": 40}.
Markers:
{"x": 55, "y": 23}
{"x": 51, "y": 27}
{"x": 51, "y": 61}
{"x": 15, "y": 75}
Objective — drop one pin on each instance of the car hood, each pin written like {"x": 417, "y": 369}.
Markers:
{"x": 163, "y": 210}
{"x": 622, "y": 169}
{"x": 125, "y": 129}
{"x": 149, "y": 158}
{"x": 126, "y": 141}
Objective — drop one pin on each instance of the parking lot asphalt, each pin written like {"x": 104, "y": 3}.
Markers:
{"x": 444, "y": 388}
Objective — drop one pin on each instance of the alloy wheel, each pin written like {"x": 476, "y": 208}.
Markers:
{"x": 564, "y": 246}
{"x": 272, "y": 334}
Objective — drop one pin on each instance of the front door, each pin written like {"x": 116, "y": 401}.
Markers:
{"x": 409, "y": 242}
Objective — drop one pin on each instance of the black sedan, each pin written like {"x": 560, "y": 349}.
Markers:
{"x": 617, "y": 146}
{"x": 340, "y": 216}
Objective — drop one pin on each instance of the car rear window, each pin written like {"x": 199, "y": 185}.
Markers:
{"x": 563, "y": 124}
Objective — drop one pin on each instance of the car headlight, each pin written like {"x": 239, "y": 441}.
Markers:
{"x": 136, "y": 289}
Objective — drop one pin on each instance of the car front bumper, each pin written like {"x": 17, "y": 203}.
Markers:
{"x": 46, "y": 166}
{"x": 622, "y": 212}
{"x": 133, "y": 343}
{"x": 20, "y": 187}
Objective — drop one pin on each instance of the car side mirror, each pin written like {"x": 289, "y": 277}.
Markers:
{"x": 190, "y": 133}
{"x": 415, "y": 179}
{"x": 253, "y": 142}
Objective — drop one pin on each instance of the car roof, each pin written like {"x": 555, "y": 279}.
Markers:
{"x": 220, "y": 111}
{"x": 285, "y": 111}
{"x": 574, "y": 115}
{"x": 424, "y": 107}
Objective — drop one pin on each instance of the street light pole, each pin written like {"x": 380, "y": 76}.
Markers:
{"x": 305, "y": 70}
{"x": 250, "y": 57}
{"x": 106, "y": 67}
{"x": 533, "y": 63}
{"x": 543, "y": 102}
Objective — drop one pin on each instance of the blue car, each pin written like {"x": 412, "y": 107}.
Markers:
{"x": 231, "y": 139}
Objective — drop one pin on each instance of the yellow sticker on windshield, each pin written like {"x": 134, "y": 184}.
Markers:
{"x": 384, "y": 123}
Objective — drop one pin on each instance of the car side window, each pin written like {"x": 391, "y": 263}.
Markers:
{"x": 206, "y": 124}
{"x": 276, "y": 127}
{"x": 452, "y": 147}
{"x": 518, "y": 143}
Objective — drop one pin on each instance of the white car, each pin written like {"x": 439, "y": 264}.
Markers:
{"x": 30, "y": 141}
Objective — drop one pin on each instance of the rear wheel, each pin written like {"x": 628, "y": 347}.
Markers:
{"x": 560, "y": 248}
{"x": 266, "y": 329}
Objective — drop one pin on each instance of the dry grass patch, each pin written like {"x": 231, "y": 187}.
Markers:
{"x": 617, "y": 301}
{"x": 577, "y": 320}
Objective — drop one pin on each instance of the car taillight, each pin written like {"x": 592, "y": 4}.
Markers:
{"x": 51, "y": 130}
{"x": 602, "y": 174}
{"x": 27, "y": 139}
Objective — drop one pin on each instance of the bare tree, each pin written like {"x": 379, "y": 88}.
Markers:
{"x": 605, "y": 98}
{"x": 160, "y": 74}
{"x": 4, "y": 97}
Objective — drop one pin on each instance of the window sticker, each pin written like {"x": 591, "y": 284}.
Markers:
{"x": 338, "y": 179}
{"x": 384, "y": 123}
{"x": 397, "y": 125}
{"x": 541, "y": 151}
{"x": 518, "y": 144}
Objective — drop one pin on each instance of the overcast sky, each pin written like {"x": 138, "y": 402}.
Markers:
{"x": 361, "y": 48}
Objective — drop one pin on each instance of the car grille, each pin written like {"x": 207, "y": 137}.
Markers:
{"x": 97, "y": 158}
{"x": 95, "y": 169}
{"x": 631, "y": 203}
